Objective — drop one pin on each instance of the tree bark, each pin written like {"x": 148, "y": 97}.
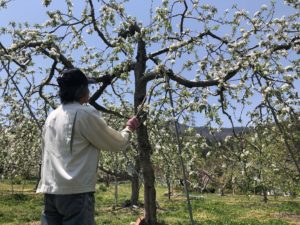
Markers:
{"x": 265, "y": 195}
{"x": 144, "y": 146}
{"x": 116, "y": 192}
{"x": 169, "y": 188}
{"x": 39, "y": 177}
{"x": 135, "y": 185}
{"x": 222, "y": 190}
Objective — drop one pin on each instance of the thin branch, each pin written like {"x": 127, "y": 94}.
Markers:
{"x": 45, "y": 82}
{"x": 101, "y": 35}
{"x": 166, "y": 50}
{"x": 61, "y": 57}
{"x": 119, "y": 96}
{"x": 294, "y": 41}
{"x": 222, "y": 101}
{"x": 191, "y": 40}
{"x": 96, "y": 95}
{"x": 68, "y": 25}
{"x": 23, "y": 67}
{"x": 119, "y": 175}
{"x": 22, "y": 96}
{"x": 183, "y": 16}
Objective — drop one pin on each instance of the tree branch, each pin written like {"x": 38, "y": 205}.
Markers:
{"x": 23, "y": 67}
{"x": 45, "y": 82}
{"x": 151, "y": 76}
{"x": 222, "y": 101}
{"x": 184, "y": 43}
{"x": 22, "y": 96}
{"x": 119, "y": 175}
{"x": 96, "y": 95}
{"x": 101, "y": 35}
{"x": 183, "y": 16}
{"x": 205, "y": 83}
{"x": 60, "y": 57}
{"x": 108, "y": 76}
{"x": 165, "y": 50}
{"x": 295, "y": 40}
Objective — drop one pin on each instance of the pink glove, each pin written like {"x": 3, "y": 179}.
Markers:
{"x": 133, "y": 123}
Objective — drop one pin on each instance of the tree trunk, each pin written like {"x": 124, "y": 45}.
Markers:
{"x": 265, "y": 199}
{"x": 222, "y": 191}
{"x": 23, "y": 185}
{"x": 169, "y": 188}
{"x": 116, "y": 192}
{"x": 222, "y": 188}
{"x": 135, "y": 185}
{"x": 107, "y": 180}
{"x": 149, "y": 188}
{"x": 12, "y": 184}
{"x": 233, "y": 188}
{"x": 144, "y": 146}
{"x": 39, "y": 176}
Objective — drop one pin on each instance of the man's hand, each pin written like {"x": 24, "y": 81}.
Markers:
{"x": 133, "y": 123}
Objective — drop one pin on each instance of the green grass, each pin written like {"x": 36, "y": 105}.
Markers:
{"x": 25, "y": 208}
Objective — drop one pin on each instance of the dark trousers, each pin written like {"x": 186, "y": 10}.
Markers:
{"x": 73, "y": 209}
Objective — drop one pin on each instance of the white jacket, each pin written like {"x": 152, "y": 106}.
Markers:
{"x": 72, "y": 137}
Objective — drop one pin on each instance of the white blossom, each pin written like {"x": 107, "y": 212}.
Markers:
{"x": 288, "y": 68}
{"x": 267, "y": 90}
{"x": 204, "y": 145}
{"x": 285, "y": 87}
{"x": 286, "y": 109}
{"x": 264, "y": 7}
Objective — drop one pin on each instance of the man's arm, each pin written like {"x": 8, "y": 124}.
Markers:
{"x": 99, "y": 134}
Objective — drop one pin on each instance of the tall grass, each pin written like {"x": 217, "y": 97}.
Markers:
{"x": 25, "y": 208}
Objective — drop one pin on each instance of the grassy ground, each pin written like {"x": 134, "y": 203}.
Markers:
{"x": 25, "y": 208}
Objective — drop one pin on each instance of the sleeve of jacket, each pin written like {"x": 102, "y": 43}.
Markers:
{"x": 99, "y": 134}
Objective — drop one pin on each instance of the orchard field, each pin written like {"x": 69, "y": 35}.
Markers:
{"x": 24, "y": 207}
{"x": 215, "y": 85}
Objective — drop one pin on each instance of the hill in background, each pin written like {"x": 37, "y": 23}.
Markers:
{"x": 221, "y": 135}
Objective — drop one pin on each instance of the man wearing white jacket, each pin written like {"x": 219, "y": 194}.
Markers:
{"x": 72, "y": 137}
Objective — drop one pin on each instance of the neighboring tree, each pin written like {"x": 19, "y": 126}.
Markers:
{"x": 253, "y": 162}
{"x": 272, "y": 166}
{"x": 206, "y": 55}
{"x": 20, "y": 144}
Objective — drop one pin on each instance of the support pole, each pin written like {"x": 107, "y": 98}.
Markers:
{"x": 179, "y": 147}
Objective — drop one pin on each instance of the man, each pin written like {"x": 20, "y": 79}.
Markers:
{"x": 72, "y": 137}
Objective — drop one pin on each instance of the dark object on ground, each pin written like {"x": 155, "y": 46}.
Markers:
{"x": 126, "y": 203}
{"x": 209, "y": 190}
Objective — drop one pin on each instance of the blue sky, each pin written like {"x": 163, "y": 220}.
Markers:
{"x": 33, "y": 11}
